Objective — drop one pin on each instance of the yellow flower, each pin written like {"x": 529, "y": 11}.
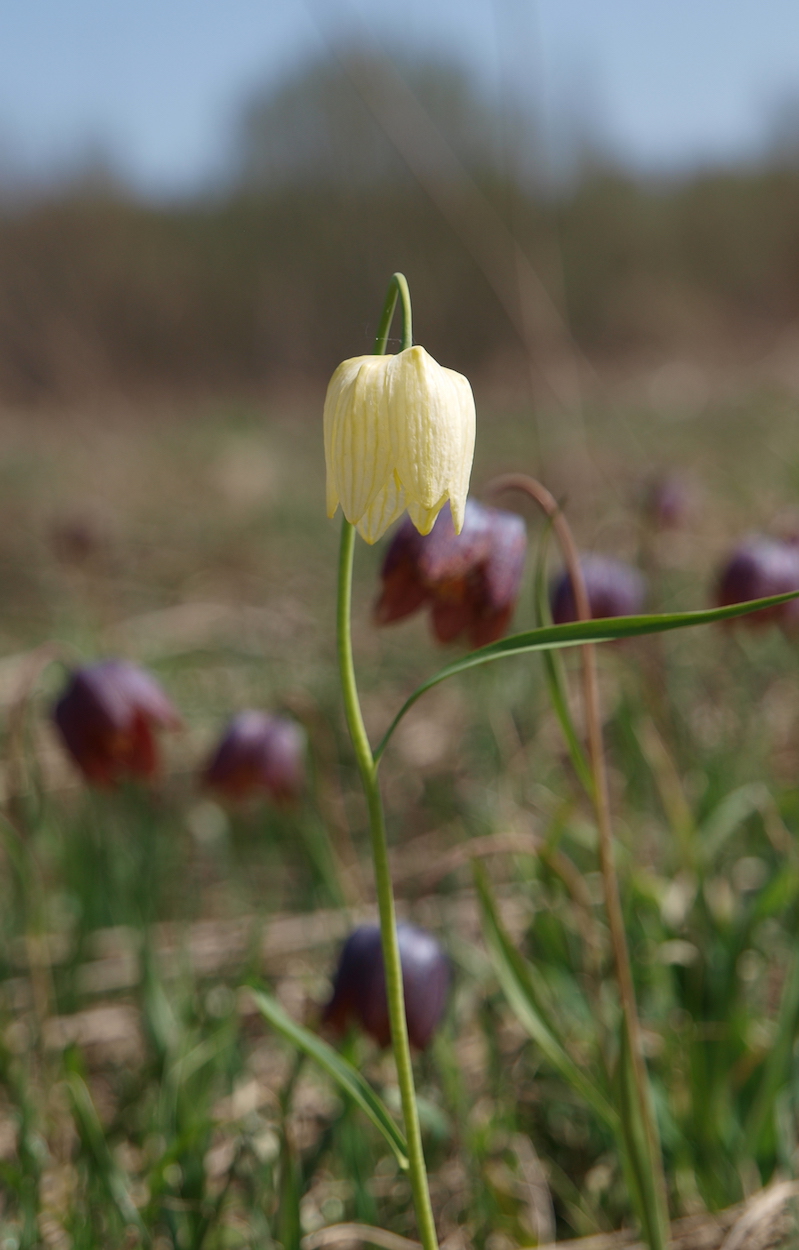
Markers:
{"x": 399, "y": 433}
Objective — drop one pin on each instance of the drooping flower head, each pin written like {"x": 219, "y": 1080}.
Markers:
{"x": 613, "y": 588}
{"x": 470, "y": 580}
{"x": 359, "y": 989}
{"x": 759, "y": 567}
{"x": 261, "y": 754}
{"x": 399, "y": 434}
{"x": 107, "y": 717}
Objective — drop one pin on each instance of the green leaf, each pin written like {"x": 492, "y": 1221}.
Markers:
{"x": 289, "y": 1221}
{"x": 639, "y": 1165}
{"x": 517, "y": 979}
{"x": 343, "y": 1073}
{"x": 93, "y": 1137}
{"x": 777, "y": 1067}
{"x": 777, "y": 895}
{"x": 575, "y": 634}
{"x": 727, "y": 816}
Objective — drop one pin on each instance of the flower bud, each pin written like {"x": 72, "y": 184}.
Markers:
{"x": 107, "y": 716}
{"x": 258, "y": 754}
{"x": 399, "y": 433}
{"x": 613, "y": 588}
{"x": 470, "y": 580}
{"x": 757, "y": 568}
{"x": 359, "y": 989}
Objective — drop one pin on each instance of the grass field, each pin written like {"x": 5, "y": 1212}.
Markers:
{"x": 143, "y": 1101}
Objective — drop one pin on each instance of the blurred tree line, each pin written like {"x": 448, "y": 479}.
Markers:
{"x": 281, "y": 273}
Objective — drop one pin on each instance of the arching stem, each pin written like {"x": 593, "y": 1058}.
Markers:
{"x": 658, "y": 1231}
{"x": 368, "y": 772}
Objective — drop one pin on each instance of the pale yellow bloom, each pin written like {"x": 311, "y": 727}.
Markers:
{"x": 399, "y": 433}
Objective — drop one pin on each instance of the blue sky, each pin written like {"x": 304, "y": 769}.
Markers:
{"x": 669, "y": 82}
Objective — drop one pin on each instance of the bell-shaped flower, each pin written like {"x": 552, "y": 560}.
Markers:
{"x": 399, "y": 434}
{"x": 359, "y": 989}
{"x": 470, "y": 580}
{"x": 759, "y": 567}
{"x": 258, "y": 754}
{"x": 613, "y": 588}
{"x": 107, "y": 717}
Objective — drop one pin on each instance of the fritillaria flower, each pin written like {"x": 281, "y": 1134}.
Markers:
{"x": 258, "y": 754}
{"x": 107, "y": 718}
{"x": 399, "y": 434}
{"x": 758, "y": 567}
{"x": 667, "y": 501}
{"x": 359, "y": 989}
{"x": 470, "y": 580}
{"x": 613, "y": 588}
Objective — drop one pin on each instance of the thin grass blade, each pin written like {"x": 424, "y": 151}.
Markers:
{"x": 518, "y": 985}
{"x": 91, "y": 1132}
{"x": 338, "y": 1069}
{"x": 776, "y": 1070}
{"x": 639, "y": 1165}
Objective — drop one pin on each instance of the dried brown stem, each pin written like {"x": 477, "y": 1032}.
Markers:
{"x": 601, "y": 799}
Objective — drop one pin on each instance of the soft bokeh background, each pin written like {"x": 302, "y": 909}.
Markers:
{"x": 597, "y": 208}
{"x": 197, "y": 197}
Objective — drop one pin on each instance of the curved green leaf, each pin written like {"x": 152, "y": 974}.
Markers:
{"x": 575, "y": 634}
{"x": 343, "y": 1073}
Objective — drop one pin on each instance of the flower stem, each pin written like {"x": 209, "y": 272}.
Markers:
{"x": 398, "y": 288}
{"x": 655, "y": 1200}
{"x": 385, "y": 896}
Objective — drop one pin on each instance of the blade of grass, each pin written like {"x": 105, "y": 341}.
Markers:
{"x": 635, "y": 1149}
{"x": 514, "y": 975}
{"x": 727, "y": 816}
{"x": 343, "y": 1073}
{"x": 93, "y": 1137}
{"x": 574, "y": 634}
{"x": 289, "y": 1224}
{"x": 776, "y": 1069}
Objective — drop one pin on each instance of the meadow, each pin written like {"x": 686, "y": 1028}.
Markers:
{"x": 143, "y": 1099}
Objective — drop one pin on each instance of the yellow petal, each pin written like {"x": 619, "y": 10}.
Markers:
{"x": 399, "y": 431}
{"x": 387, "y": 508}
{"x": 358, "y": 446}
{"x": 425, "y": 518}
{"x": 431, "y": 411}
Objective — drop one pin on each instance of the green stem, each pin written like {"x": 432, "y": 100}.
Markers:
{"x": 385, "y": 896}
{"x": 398, "y": 288}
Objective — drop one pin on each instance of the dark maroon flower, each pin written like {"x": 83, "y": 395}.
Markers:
{"x": 757, "y": 568}
{"x": 359, "y": 990}
{"x": 470, "y": 580}
{"x": 107, "y": 716}
{"x": 613, "y": 588}
{"x": 258, "y": 754}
